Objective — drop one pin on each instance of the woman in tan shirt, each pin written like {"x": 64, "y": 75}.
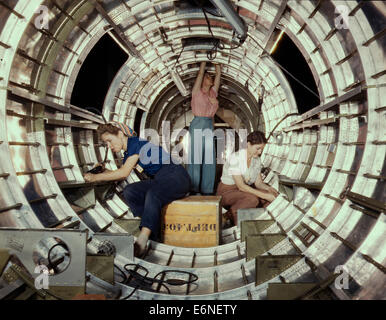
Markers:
{"x": 240, "y": 172}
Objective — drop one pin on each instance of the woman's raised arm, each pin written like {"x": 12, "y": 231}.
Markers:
{"x": 200, "y": 76}
{"x": 218, "y": 77}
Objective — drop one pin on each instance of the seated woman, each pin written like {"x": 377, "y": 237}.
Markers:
{"x": 145, "y": 198}
{"x": 240, "y": 171}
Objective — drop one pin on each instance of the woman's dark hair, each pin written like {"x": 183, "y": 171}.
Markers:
{"x": 109, "y": 128}
{"x": 210, "y": 74}
{"x": 256, "y": 137}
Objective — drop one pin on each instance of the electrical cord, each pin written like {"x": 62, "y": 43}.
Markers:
{"x": 217, "y": 44}
{"x": 50, "y": 263}
{"x": 292, "y": 76}
{"x": 178, "y": 282}
{"x": 277, "y": 124}
{"x": 260, "y": 102}
{"x": 284, "y": 69}
{"x": 122, "y": 273}
{"x": 144, "y": 282}
{"x": 212, "y": 56}
{"x": 178, "y": 58}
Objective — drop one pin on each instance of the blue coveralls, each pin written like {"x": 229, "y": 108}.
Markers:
{"x": 169, "y": 182}
{"x": 202, "y": 173}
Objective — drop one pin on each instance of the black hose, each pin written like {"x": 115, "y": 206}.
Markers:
{"x": 145, "y": 282}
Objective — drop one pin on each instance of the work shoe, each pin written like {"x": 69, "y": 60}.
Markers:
{"x": 227, "y": 220}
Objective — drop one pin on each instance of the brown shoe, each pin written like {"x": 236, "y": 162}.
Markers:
{"x": 227, "y": 220}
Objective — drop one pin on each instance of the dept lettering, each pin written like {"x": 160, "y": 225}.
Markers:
{"x": 198, "y": 227}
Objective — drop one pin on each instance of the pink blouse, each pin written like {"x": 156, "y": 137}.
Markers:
{"x": 204, "y": 104}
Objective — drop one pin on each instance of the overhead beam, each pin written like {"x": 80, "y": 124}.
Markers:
{"x": 228, "y": 11}
{"x": 129, "y": 46}
{"x": 367, "y": 202}
{"x": 351, "y": 95}
{"x": 275, "y": 21}
{"x": 18, "y": 95}
{"x": 309, "y": 124}
{"x": 71, "y": 123}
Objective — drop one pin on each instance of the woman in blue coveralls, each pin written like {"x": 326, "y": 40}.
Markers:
{"x": 146, "y": 198}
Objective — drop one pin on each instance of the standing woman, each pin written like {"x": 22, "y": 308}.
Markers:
{"x": 240, "y": 172}
{"x": 204, "y": 106}
{"x": 145, "y": 198}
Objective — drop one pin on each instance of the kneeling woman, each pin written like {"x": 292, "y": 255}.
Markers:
{"x": 240, "y": 171}
{"x": 145, "y": 198}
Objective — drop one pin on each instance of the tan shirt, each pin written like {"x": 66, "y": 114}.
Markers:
{"x": 236, "y": 165}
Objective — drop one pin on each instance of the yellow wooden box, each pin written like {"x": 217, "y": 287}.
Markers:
{"x": 193, "y": 222}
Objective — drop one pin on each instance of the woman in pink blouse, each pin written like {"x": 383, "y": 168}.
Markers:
{"x": 202, "y": 159}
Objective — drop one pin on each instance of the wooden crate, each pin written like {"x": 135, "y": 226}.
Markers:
{"x": 193, "y": 222}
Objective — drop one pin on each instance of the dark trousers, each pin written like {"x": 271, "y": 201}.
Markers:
{"x": 146, "y": 198}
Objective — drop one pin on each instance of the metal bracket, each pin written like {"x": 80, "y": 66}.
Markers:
{"x": 101, "y": 266}
{"x": 4, "y": 258}
{"x": 288, "y": 291}
{"x": 250, "y": 227}
{"x": 81, "y": 197}
{"x": 257, "y": 244}
{"x": 130, "y": 225}
{"x": 268, "y": 267}
{"x": 249, "y": 214}
{"x": 23, "y": 242}
{"x": 123, "y": 243}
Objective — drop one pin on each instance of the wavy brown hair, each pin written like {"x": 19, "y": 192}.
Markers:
{"x": 256, "y": 137}
{"x": 107, "y": 128}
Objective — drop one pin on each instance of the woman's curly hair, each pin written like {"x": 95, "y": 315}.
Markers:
{"x": 109, "y": 128}
{"x": 256, "y": 137}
